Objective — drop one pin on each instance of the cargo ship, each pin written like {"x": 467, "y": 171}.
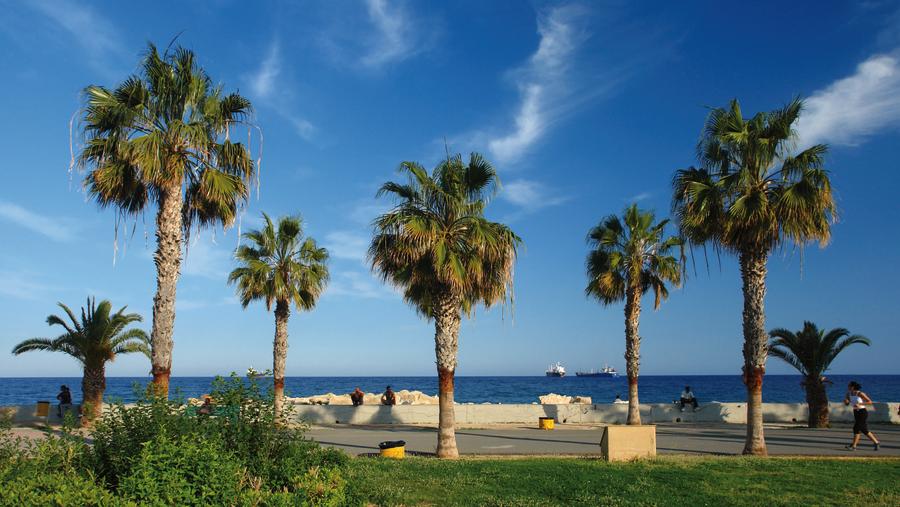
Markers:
{"x": 556, "y": 370}
{"x": 606, "y": 371}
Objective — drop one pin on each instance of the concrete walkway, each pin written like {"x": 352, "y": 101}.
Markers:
{"x": 721, "y": 439}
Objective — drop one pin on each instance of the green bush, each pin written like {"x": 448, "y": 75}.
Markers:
{"x": 42, "y": 488}
{"x": 183, "y": 471}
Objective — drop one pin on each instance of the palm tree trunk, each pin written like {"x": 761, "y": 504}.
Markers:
{"x": 753, "y": 276}
{"x": 817, "y": 401}
{"x": 93, "y": 385}
{"x": 446, "y": 343}
{"x": 282, "y": 312}
{"x": 633, "y": 351}
{"x": 168, "y": 264}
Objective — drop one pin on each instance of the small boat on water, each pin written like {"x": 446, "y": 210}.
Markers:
{"x": 606, "y": 371}
{"x": 556, "y": 370}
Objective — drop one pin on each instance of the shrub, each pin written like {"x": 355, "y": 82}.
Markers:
{"x": 183, "y": 471}
{"x": 40, "y": 488}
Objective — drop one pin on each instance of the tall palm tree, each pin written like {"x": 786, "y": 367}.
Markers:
{"x": 94, "y": 339}
{"x": 437, "y": 246}
{"x": 163, "y": 137}
{"x": 626, "y": 261}
{"x": 280, "y": 267}
{"x": 751, "y": 194}
{"x": 811, "y": 351}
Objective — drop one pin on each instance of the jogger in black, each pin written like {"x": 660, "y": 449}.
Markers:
{"x": 858, "y": 400}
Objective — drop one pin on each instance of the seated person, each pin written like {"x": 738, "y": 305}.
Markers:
{"x": 619, "y": 400}
{"x": 65, "y": 400}
{"x": 688, "y": 398}
{"x": 206, "y": 408}
{"x": 388, "y": 397}
{"x": 357, "y": 397}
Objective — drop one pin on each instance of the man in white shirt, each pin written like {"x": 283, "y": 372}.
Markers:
{"x": 688, "y": 398}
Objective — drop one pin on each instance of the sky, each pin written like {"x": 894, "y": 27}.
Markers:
{"x": 583, "y": 108}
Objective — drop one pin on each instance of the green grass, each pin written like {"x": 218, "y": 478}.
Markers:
{"x": 663, "y": 481}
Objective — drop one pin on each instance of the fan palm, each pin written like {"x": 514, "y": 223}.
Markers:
{"x": 280, "y": 267}
{"x": 94, "y": 339}
{"x": 437, "y": 246}
{"x": 626, "y": 261}
{"x": 752, "y": 193}
{"x": 811, "y": 351}
{"x": 162, "y": 137}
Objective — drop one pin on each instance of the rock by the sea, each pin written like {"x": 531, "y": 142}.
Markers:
{"x": 404, "y": 397}
{"x": 561, "y": 399}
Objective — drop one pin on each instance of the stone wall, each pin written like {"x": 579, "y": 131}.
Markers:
{"x": 474, "y": 415}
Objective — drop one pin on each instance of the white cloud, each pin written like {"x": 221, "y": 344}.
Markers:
{"x": 347, "y": 245}
{"x": 264, "y": 81}
{"x": 206, "y": 259}
{"x": 56, "y": 229}
{"x": 356, "y": 284}
{"x": 395, "y": 37}
{"x": 642, "y": 196}
{"x": 94, "y": 33}
{"x": 530, "y": 195}
{"x": 542, "y": 82}
{"x": 850, "y": 109}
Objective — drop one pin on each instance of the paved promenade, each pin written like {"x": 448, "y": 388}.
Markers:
{"x": 720, "y": 439}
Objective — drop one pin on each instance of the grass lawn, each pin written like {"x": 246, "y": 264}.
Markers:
{"x": 663, "y": 481}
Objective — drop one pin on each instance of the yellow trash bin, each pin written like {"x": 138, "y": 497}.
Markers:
{"x": 546, "y": 423}
{"x": 394, "y": 449}
{"x": 43, "y": 409}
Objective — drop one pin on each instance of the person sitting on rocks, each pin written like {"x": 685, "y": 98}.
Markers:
{"x": 206, "y": 408}
{"x": 357, "y": 397}
{"x": 688, "y": 398}
{"x": 65, "y": 400}
{"x": 619, "y": 400}
{"x": 388, "y": 398}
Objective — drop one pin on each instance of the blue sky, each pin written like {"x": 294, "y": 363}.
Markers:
{"x": 582, "y": 107}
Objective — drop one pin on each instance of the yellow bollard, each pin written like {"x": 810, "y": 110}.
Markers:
{"x": 545, "y": 423}
{"x": 43, "y": 409}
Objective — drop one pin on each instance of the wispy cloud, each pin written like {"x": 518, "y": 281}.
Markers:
{"x": 641, "y": 196}
{"x": 57, "y": 229}
{"x": 395, "y": 37}
{"x": 207, "y": 259}
{"x": 271, "y": 89}
{"x": 542, "y": 82}
{"x": 347, "y": 245}
{"x": 852, "y": 108}
{"x": 531, "y": 195}
{"x": 20, "y": 285}
{"x": 96, "y": 35}
{"x": 357, "y": 284}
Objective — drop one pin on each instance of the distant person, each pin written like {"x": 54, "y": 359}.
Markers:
{"x": 858, "y": 400}
{"x": 619, "y": 400}
{"x": 388, "y": 398}
{"x": 357, "y": 397}
{"x": 206, "y": 408}
{"x": 65, "y": 400}
{"x": 688, "y": 398}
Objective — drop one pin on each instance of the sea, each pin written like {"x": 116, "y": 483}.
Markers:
{"x": 653, "y": 388}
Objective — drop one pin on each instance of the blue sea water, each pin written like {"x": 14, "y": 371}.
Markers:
{"x": 653, "y": 389}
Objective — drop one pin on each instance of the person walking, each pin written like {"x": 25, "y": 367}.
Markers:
{"x": 858, "y": 401}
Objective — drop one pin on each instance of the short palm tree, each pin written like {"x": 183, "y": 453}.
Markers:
{"x": 811, "y": 351}
{"x": 627, "y": 260}
{"x": 437, "y": 246}
{"x": 751, "y": 194}
{"x": 94, "y": 339}
{"x": 163, "y": 137}
{"x": 280, "y": 266}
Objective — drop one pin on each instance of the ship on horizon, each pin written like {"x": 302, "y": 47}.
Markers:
{"x": 606, "y": 371}
{"x": 556, "y": 370}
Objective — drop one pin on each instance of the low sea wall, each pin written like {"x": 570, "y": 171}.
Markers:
{"x": 483, "y": 414}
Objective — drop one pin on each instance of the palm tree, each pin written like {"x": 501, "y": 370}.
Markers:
{"x": 624, "y": 263}
{"x": 811, "y": 351}
{"x": 437, "y": 246}
{"x": 280, "y": 267}
{"x": 162, "y": 137}
{"x": 94, "y": 339}
{"x": 752, "y": 194}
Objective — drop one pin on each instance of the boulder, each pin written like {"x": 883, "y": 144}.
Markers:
{"x": 583, "y": 399}
{"x": 555, "y": 399}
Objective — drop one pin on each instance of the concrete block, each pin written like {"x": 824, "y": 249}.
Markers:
{"x": 623, "y": 443}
